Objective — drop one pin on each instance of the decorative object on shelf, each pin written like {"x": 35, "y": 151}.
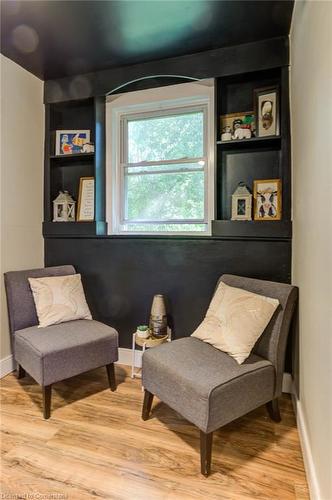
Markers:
{"x": 235, "y": 126}
{"x": 71, "y": 141}
{"x": 88, "y": 147}
{"x": 86, "y": 200}
{"x": 158, "y": 318}
{"x": 267, "y": 111}
{"x": 226, "y": 133}
{"x": 64, "y": 208}
{"x": 143, "y": 331}
{"x": 267, "y": 199}
{"x": 241, "y": 203}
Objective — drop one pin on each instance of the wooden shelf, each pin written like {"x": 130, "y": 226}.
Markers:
{"x": 73, "y": 229}
{"x": 254, "y": 141}
{"x": 72, "y": 156}
{"x": 275, "y": 229}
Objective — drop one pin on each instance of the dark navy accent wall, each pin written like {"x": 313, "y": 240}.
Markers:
{"x": 121, "y": 275}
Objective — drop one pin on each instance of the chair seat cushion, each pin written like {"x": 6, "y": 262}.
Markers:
{"x": 205, "y": 385}
{"x": 61, "y": 351}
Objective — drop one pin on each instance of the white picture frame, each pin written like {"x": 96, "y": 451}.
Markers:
{"x": 68, "y": 142}
{"x": 86, "y": 200}
{"x": 267, "y": 112}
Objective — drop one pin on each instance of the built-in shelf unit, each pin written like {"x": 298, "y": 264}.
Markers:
{"x": 237, "y": 160}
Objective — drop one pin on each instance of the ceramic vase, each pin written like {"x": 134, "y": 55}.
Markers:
{"x": 158, "y": 318}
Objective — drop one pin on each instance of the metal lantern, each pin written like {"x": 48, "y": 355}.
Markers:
{"x": 64, "y": 208}
{"x": 241, "y": 203}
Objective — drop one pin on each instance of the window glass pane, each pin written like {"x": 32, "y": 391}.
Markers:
{"x": 147, "y": 228}
{"x": 166, "y": 137}
{"x": 159, "y": 197}
{"x": 172, "y": 167}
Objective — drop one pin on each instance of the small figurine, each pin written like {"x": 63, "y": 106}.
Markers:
{"x": 226, "y": 134}
{"x": 241, "y": 130}
{"x": 88, "y": 147}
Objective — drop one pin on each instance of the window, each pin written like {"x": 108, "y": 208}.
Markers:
{"x": 161, "y": 170}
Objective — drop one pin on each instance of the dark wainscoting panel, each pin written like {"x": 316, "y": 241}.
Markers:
{"x": 121, "y": 275}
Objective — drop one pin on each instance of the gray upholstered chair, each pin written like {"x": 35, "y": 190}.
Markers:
{"x": 60, "y": 351}
{"x": 208, "y": 387}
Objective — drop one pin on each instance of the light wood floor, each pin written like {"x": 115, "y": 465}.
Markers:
{"x": 96, "y": 445}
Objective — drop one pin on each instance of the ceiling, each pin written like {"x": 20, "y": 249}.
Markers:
{"x": 58, "y": 38}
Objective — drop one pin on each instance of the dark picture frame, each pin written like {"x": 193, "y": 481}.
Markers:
{"x": 267, "y": 112}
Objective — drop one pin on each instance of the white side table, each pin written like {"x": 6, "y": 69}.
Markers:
{"x": 145, "y": 344}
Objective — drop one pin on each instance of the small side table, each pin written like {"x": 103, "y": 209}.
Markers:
{"x": 145, "y": 344}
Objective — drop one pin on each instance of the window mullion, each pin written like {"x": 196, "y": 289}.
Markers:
{"x": 163, "y": 162}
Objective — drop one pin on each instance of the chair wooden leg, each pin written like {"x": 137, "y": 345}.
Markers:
{"x": 20, "y": 372}
{"x": 47, "y": 392}
{"x": 147, "y": 403}
{"x": 273, "y": 410}
{"x": 206, "y": 452}
{"x": 111, "y": 376}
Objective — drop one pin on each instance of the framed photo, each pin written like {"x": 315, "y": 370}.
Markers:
{"x": 267, "y": 111}
{"x": 86, "y": 200}
{"x": 267, "y": 199}
{"x": 69, "y": 142}
{"x": 237, "y": 126}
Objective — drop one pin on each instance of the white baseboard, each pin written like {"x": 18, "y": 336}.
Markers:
{"x": 7, "y": 365}
{"x": 125, "y": 357}
{"x": 287, "y": 383}
{"x": 308, "y": 460}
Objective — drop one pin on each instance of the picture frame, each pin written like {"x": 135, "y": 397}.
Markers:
{"x": 267, "y": 195}
{"x": 69, "y": 142}
{"x": 266, "y": 110}
{"x": 231, "y": 123}
{"x": 86, "y": 200}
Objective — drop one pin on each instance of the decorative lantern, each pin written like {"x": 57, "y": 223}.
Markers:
{"x": 241, "y": 203}
{"x": 158, "y": 318}
{"x": 64, "y": 208}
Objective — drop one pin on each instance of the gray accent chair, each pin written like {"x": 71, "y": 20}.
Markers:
{"x": 207, "y": 386}
{"x": 60, "y": 351}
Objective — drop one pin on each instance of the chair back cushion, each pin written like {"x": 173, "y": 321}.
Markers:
{"x": 236, "y": 318}
{"x": 21, "y": 307}
{"x": 271, "y": 344}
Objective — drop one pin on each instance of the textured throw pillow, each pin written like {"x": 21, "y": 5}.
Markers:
{"x": 235, "y": 320}
{"x": 59, "y": 299}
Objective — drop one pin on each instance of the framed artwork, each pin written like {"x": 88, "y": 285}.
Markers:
{"x": 86, "y": 200}
{"x": 267, "y": 111}
{"x": 69, "y": 142}
{"x": 237, "y": 126}
{"x": 267, "y": 199}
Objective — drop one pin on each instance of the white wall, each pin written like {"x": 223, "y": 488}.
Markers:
{"x": 22, "y": 135}
{"x": 311, "y": 112}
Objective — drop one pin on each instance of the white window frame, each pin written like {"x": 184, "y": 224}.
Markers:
{"x": 117, "y": 117}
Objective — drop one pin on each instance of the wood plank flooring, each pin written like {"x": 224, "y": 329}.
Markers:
{"x": 96, "y": 445}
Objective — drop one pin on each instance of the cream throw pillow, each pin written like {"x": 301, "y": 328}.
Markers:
{"x": 59, "y": 299}
{"x": 235, "y": 320}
